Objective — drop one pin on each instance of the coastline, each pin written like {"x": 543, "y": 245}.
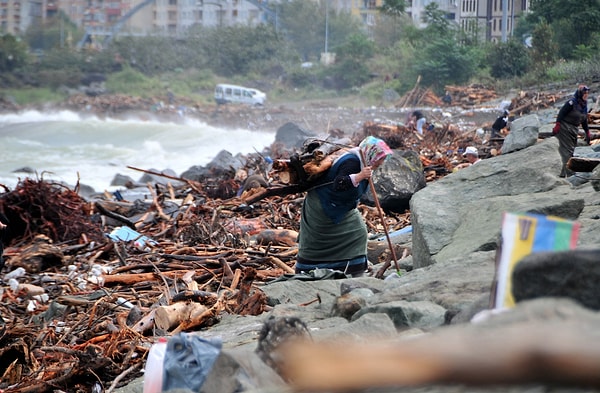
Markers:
{"x": 318, "y": 115}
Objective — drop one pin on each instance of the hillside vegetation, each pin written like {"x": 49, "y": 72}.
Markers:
{"x": 284, "y": 60}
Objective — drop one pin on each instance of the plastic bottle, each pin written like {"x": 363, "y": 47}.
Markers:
{"x": 153, "y": 373}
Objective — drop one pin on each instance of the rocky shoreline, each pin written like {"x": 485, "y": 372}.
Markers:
{"x": 317, "y": 115}
{"x": 433, "y": 328}
{"x": 435, "y": 314}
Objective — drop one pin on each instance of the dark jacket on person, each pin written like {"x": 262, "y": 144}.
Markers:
{"x": 574, "y": 112}
{"x": 500, "y": 122}
{"x": 418, "y": 115}
{"x": 338, "y": 195}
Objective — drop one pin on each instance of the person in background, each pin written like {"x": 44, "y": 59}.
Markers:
{"x": 572, "y": 114}
{"x": 418, "y": 121}
{"x": 471, "y": 155}
{"x": 447, "y": 98}
{"x": 500, "y": 123}
{"x": 333, "y": 233}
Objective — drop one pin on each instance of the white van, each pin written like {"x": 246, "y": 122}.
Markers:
{"x": 239, "y": 94}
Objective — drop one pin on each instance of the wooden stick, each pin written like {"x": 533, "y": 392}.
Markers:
{"x": 382, "y": 217}
{"x": 167, "y": 317}
{"x": 280, "y": 264}
{"x": 195, "y": 185}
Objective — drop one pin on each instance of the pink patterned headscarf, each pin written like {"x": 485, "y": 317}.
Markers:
{"x": 374, "y": 149}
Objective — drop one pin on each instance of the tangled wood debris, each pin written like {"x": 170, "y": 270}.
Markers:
{"x": 527, "y": 102}
{"x": 471, "y": 95}
{"x": 466, "y": 97}
{"x": 82, "y": 307}
{"x": 90, "y": 284}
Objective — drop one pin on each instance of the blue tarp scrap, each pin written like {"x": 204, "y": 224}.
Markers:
{"x": 127, "y": 234}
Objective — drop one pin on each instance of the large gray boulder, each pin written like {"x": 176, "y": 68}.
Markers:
{"x": 396, "y": 181}
{"x": 573, "y": 274}
{"x": 523, "y": 133}
{"x": 292, "y": 136}
{"x": 462, "y": 213}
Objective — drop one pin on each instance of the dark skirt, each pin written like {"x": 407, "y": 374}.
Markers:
{"x": 567, "y": 138}
{"x": 355, "y": 267}
{"x": 322, "y": 243}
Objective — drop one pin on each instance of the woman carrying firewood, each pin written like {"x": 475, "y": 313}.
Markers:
{"x": 574, "y": 113}
{"x": 333, "y": 234}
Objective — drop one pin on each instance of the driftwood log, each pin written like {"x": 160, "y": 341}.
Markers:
{"x": 169, "y": 317}
{"x": 582, "y": 164}
{"x": 513, "y": 354}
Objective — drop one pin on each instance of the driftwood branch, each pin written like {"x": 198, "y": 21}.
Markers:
{"x": 279, "y": 191}
{"x": 514, "y": 354}
{"x": 114, "y": 215}
{"x": 582, "y": 164}
{"x": 195, "y": 185}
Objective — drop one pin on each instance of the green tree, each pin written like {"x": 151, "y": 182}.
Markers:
{"x": 388, "y": 29}
{"x": 302, "y": 23}
{"x": 350, "y": 69}
{"x": 239, "y": 50}
{"x": 13, "y": 53}
{"x": 508, "y": 59}
{"x": 440, "y": 57}
{"x": 544, "y": 48}
{"x": 342, "y": 25}
{"x": 56, "y": 32}
{"x": 394, "y": 8}
{"x": 438, "y": 25}
{"x": 444, "y": 61}
{"x": 154, "y": 54}
{"x": 307, "y": 24}
{"x": 573, "y": 22}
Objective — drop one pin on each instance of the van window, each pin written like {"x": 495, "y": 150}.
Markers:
{"x": 237, "y": 92}
{"x": 219, "y": 90}
{"x": 247, "y": 94}
{"x": 228, "y": 91}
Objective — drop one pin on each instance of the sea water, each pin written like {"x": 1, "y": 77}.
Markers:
{"x": 66, "y": 147}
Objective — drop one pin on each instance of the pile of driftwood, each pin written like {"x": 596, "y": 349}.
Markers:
{"x": 88, "y": 285}
{"x": 526, "y": 102}
{"x": 468, "y": 96}
{"x": 419, "y": 97}
{"x": 464, "y": 96}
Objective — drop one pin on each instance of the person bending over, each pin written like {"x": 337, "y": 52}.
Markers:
{"x": 332, "y": 232}
{"x": 418, "y": 120}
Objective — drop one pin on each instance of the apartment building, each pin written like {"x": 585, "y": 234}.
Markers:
{"x": 133, "y": 16}
{"x": 13, "y": 16}
{"x": 500, "y": 12}
{"x": 416, "y": 10}
{"x": 483, "y": 18}
{"x": 176, "y": 16}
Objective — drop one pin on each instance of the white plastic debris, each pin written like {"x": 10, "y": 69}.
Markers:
{"x": 17, "y": 273}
